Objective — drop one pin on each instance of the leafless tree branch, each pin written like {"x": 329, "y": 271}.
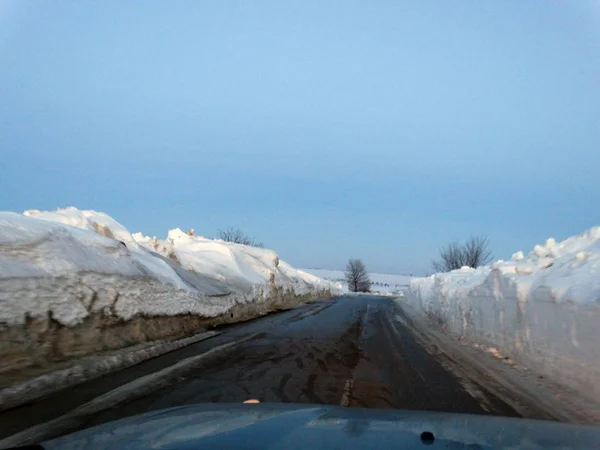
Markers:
{"x": 474, "y": 253}
{"x": 357, "y": 276}
{"x": 238, "y": 237}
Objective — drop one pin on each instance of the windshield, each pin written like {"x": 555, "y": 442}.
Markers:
{"x": 385, "y": 205}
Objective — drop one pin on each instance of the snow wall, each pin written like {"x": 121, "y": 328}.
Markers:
{"x": 542, "y": 310}
{"x": 76, "y": 282}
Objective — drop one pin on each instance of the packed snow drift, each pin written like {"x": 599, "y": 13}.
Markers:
{"x": 541, "y": 309}
{"x": 382, "y": 283}
{"x": 70, "y": 263}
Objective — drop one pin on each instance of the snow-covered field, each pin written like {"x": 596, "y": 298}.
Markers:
{"x": 541, "y": 309}
{"x": 70, "y": 263}
{"x": 382, "y": 282}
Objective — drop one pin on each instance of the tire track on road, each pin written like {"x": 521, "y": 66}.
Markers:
{"x": 137, "y": 388}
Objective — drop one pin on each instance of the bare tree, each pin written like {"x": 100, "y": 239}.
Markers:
{"x": 237, "y": 236}
{"x": 357, "y": 276}
{"x": 473, "y": 253}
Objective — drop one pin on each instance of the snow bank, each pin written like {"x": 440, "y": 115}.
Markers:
{"x": 99, "y": 222}
{"x": 68, "y": 264}
{"x": 542, "y": 309}
{"x": 32, "y": 248}
{"x": 237, "y": 265}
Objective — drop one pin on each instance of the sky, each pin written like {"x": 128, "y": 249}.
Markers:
{"x": 379, "y": 130}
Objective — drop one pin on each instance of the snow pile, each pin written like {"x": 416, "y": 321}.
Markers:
{"x": 233, "y": 264}
{"x": 99, "y": 222}
{"x": 70, "y": 263}
{"x": 542, "y": 309}
{"x": 382, "y": 283}
{"x": 40, "y": 248}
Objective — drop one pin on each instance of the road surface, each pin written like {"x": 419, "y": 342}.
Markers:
{"x": 352, "y": 351}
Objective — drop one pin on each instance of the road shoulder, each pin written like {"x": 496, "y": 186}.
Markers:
{"x": 483, "y": 372}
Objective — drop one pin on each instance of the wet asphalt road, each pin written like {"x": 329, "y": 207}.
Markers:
{"x": 351, "y": 351}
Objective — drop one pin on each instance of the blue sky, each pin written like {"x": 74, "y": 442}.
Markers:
{"x": 329, "y": 130}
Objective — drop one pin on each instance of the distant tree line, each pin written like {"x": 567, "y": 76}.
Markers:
{"x": 380, "y": 284}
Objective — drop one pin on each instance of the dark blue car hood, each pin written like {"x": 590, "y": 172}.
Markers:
{"x": 288, "y": 427}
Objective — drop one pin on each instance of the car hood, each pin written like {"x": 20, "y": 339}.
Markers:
{"x": 288, "y": 426}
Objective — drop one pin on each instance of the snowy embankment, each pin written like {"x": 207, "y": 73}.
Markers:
{"x": 382, "y": 283}
{"x": 542, "y": 310}
{"x": 78, "y": 282}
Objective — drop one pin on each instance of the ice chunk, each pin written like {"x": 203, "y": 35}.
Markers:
{"x": 518, "y": 256}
